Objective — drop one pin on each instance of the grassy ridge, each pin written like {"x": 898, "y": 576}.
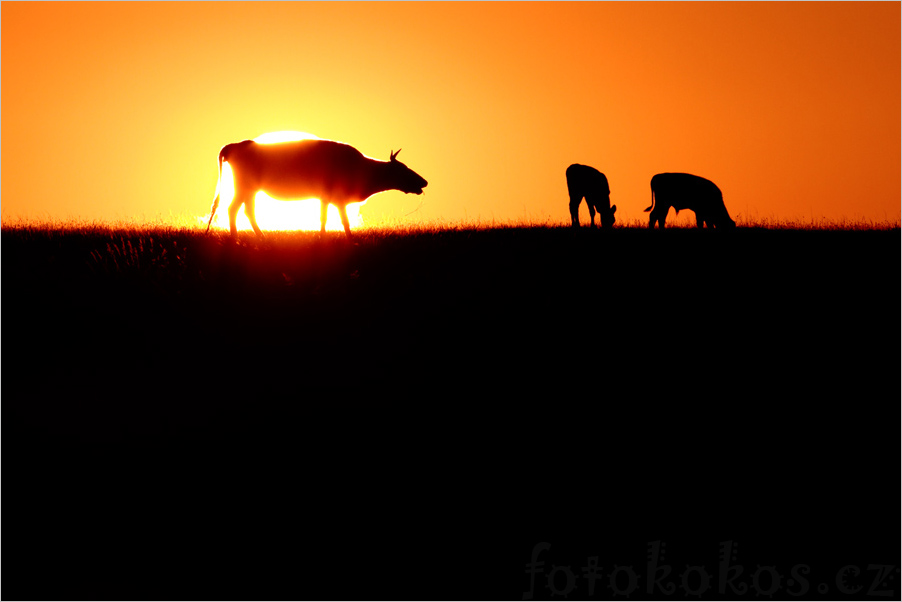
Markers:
{"x": 517, "y": 307}
{"x": 458, "y": 392}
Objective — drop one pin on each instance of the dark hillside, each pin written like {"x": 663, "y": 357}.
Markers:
{"x": 407, "y": 416}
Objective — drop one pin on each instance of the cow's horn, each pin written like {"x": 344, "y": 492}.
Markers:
{"x": 395, "y": 154}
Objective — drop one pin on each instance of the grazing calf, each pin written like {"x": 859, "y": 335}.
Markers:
{"x": 588, "y": 182}
{"x": 685, "y": 191}
{"x": 332, "y": 172}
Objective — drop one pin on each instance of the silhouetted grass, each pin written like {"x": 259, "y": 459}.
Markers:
{"x": 400, "y": 301}
{"x": 456, "y": 391}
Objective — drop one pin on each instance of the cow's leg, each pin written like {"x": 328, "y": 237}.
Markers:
{"x": 591, "y": 203}
{"x": 699, "y": 220}
{"x": 235, "y": 205}
{"x": 657, "y": 216}
{"x": 323, "y": 211}
{"x": 343, "y": 212}
{"x": 249, "y": 212}
{"x": 574, "y": 210}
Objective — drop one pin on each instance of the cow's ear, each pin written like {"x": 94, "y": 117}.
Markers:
{"x": 613, "y": 209}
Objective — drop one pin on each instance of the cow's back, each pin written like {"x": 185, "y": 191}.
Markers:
{"x": 584, "y": 179}
{"x": 684, "y": 191}
{"x": 299, "y": 169}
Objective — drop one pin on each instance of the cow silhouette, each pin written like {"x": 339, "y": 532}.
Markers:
{"x": 685, "y": 191}
{"x": 330, "y": 171}
{"x": 588, "y": 182}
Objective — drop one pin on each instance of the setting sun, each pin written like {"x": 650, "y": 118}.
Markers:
{"x": 272, "y": 214}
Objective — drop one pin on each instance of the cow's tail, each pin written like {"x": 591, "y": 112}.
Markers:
{"x": 223, "y": 154}
{"x": 650, "y": 207}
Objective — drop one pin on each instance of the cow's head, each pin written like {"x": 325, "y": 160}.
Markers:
{"x": 606, "y": 215}
{"x": 403, "y": 178}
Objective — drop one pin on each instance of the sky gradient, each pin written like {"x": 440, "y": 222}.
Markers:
{"x": 117, "y": 111}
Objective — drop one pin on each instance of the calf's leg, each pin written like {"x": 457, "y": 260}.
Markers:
{"x": 574, "y": 210}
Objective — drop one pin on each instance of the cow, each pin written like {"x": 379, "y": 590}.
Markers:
{"x": 588, "y": 182}
{"x": 330, "y": 171}
{"x": 685, "y": 191}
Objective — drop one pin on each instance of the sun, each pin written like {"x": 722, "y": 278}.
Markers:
{"x": 280, "y": 215}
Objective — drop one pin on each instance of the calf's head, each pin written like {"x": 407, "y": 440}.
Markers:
{"x": 606, "y": 215}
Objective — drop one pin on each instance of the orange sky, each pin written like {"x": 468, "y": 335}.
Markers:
{"x": 118, "y": 110}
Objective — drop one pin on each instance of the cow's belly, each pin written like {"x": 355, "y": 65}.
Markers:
{"x": 304, "y": 186}
{"x": 680, "y": 204}
{"x": 291, "y": 192}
